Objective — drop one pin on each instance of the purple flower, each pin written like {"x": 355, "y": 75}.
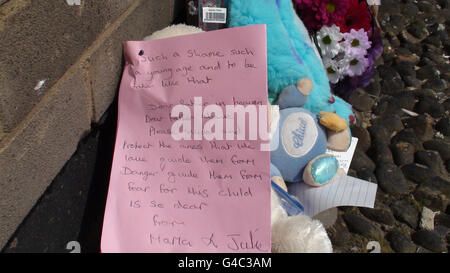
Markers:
{"x": 356, "y": 43}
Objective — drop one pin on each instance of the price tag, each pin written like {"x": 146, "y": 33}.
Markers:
{"x": 214, "y": 15}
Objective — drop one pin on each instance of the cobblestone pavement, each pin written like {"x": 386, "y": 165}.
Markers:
{"x": 408, "y": 155}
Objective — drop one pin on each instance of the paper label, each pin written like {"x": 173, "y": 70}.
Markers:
{"x": 214, "y": 15}
{"x": 345, "y": 158}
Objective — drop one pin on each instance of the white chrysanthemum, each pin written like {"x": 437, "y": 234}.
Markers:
{"x": 328, "y": 39}
{"x": 333, "y": 69}
{"x": 356, "y": 65}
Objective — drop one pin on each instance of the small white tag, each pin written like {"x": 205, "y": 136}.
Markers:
{"x": 214, "y": 15}
{"x": 73, "y": 2}
{"x": 345, "y": 158}
{"x": 374, "y": 2}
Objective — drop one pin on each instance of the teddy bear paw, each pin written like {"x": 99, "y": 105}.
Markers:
{"x": 280, "y": 182}
{"x": 305, "y": 86}
{"x": 339, "y": 141}
{"x": 332, "y": 121}
{"x": 321, "y": 170}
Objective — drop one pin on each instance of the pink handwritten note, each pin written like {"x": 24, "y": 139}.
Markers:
{"x": 198, "y": 195}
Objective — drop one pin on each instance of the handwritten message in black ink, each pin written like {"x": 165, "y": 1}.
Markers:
{"x": 203, "y": 186}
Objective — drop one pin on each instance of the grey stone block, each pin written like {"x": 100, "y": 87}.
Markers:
{"x": 30, "y": 161}
{"x": 106, "y": 63}
{"x": 39, "y": 41}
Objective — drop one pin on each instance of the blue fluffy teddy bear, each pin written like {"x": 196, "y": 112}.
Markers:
{"x": 291, "y": 54}
{"x": 299, "y": 143}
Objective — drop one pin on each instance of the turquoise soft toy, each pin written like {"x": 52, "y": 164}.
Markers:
{"x": 299, "y": 143}
{"x": 290, "y": 53}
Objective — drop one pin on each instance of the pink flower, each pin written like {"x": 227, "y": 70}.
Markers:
{"x": 316, "y": 13}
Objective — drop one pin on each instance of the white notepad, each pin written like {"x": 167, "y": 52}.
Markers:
{"x": 342, "y": 191}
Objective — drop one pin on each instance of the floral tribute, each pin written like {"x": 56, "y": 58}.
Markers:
{"x": 347, "y": 38}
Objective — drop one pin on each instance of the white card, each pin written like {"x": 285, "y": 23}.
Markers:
{"x": 342, "y": 191}
{"x": 345, "y": 158}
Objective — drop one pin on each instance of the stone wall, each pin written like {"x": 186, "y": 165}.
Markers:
{"x": 60, "y": 66}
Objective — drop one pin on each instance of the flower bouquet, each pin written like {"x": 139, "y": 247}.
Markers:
{"x": 348, "y": 39}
